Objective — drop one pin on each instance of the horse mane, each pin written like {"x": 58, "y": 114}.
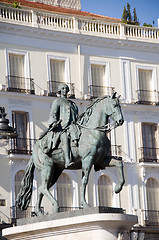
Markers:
{"x": 84, "y": 117}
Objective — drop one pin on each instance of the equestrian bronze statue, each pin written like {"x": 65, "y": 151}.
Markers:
{"x": 72, "y": 142}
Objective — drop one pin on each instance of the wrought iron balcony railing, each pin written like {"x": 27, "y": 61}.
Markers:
{"x": 65, "y": 209}
{"x": 21, "y": 146}
{"x": 147, "y": 97}
{"x": 100, "y": 91}
{"x": 152, "y": 218}
{"x": 116, "y": 150}
{"x": 53, "y": 88}
{"x": 149, "y": 154}
{"x": 20, "y": 84}
{"x": 16, "y": 213}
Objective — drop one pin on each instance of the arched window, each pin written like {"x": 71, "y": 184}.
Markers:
{"x": 64, "y": 192}
{"x": 17, "y": 181}
{"x": 105, "y": 191}
{"x": 152, "y": 190}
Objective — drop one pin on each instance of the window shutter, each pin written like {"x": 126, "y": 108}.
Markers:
{"x": 152, "y": 190}
{"x": 97, "y": 72}
{"x": 64, "y": 193}
{"x": 105, "y": 191}
{"x": 98, "y": 88}
{"x": 145, "y": 85}
{"x": 149, "y": 135}
{"x": 57, "y": 70}
{"x": 21, "y": 123}
{"x": 16, "y": 63}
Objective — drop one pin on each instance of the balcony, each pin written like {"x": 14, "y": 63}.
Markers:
{"x": 53, "y": 88}
{"x": 21, "y": 146}
{"x": 147, "y": 97}
{"x": 65, "y": 209}
{"x": 116, "y": 150}
{"x": 152, "y": 218}
{"x": 77, "y": 25}
{"x": 16, "y": 213}
{"x": 148, "y": 154}
{"x": 20, "y": 84}
{"x": 100, "y": 91}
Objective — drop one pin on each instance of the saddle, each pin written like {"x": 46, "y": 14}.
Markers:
{"x": 49, "y": 140}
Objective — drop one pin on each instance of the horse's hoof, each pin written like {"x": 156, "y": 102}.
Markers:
{"x": 118, "y": 188}
{"x": 85, "y": 205}
{"x": 55, "y": 209}
{"x": 39, "y": 213}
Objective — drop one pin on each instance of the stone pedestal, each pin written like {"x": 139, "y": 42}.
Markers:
{"x": 75, "y": 225}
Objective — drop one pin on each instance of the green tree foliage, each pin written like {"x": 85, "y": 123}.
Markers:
{"x": 135, "y": 20}
{"x": 124, "y": 16}
{"x": 127, "y": 17}
{"x": 135, "y": 15}
{"x": 16, "y": 4}
{"x": 147, "y": 25}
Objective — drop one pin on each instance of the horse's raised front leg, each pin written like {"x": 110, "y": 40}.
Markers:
{"x": 119, "y": 164}
{"x": 86, "y": 168}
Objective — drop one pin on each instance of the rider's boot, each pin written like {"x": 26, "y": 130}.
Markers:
{"x": 66, "y": 150}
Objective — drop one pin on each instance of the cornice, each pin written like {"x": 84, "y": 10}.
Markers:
{"x": 140, "y": 108}
{"x": 149, "y": 165}
{"x": 77, "y": 38}
{"x": 30, "y": 98}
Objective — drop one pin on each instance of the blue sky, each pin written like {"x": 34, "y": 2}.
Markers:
{"x": 147, "y": 10}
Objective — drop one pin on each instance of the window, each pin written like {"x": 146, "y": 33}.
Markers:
{"x": 152, "y": 191}
{"x": 146, "y": 92}
{"x": 149, "y": 136}
{"x": 59, "y": 72}
{"x": 105, "y": 191}
{"x": 97, "y": 74}
{"x": 16, "y": 66}
{"x": 99, "y": 79}
{"x": 21, "y": 122}
{"x": 64, "y": 192}
{"x": 57, "y": 75}
{"x": 18, "y": 77}
{"x": 97, "y": 88}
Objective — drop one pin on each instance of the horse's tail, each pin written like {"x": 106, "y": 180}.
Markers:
{"x": 24, "y": 196}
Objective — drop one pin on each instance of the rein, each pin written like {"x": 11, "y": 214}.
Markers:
{"x": 107, "y": 127}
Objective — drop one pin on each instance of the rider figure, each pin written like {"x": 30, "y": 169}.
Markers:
{"x": 64, "y": 113}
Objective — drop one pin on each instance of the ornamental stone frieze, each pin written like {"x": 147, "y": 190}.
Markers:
{"x": 19, "y": 102}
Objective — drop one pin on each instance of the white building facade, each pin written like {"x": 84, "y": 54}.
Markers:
{"x": 43, "y": 45}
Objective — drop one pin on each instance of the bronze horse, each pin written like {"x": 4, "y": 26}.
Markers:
{"x": 93, "y": 149}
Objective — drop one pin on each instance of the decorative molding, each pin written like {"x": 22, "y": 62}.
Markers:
{"x": 20, "y": 102}
{"x": 71, "y": 37}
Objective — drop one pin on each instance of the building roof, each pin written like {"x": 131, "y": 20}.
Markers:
{"x": 41, "y": 6}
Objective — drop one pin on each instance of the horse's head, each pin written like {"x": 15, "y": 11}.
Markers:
{"x": 114, "y": 110}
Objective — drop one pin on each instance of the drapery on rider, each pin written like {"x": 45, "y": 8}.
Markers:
{"x": 64, "y": 114}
